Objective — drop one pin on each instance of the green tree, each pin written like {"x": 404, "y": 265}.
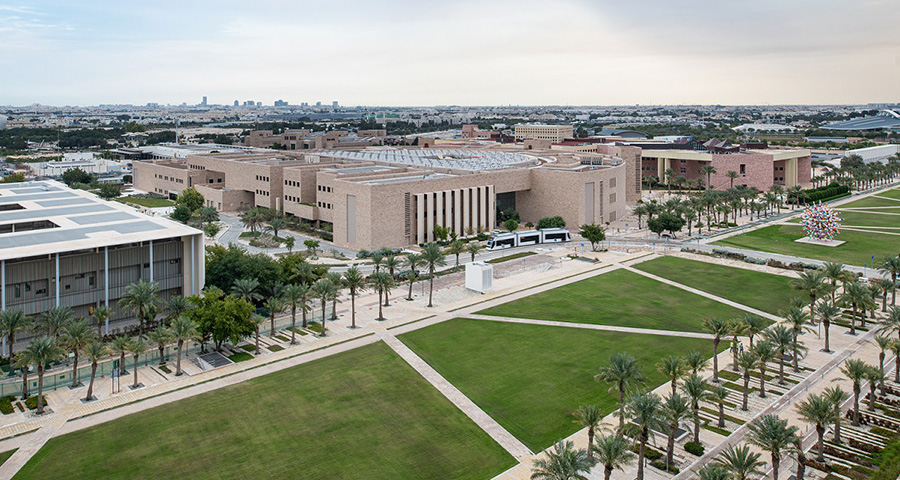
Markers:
{"x": 718, "y": 394}
{"x": 181, "y": 214}
{"x": 624, "y": 373}
{"x": 93, "y": 352}
{"x": 137, "y": 347}
{"x": 311, "y": 246}
{"x": 747, "y": 362}
{"x": 836, "y": 396}
{"x": 412, "y": 262}
{"x": 100, "y": 314}
{"x": 827, "y": 312}
{"x": 54, "y": 320}
{"x": 551, "y": 222}
{"x": 593, "y": 233}
{"x": 613, "y": 452}
{"x": 289, "y": 243}
{"x": 645, "y": 410}
{"x": 295, "y": 294}
{"x": 675, "y": 410}
{"x": 277, "y": 223}
{"x": 457, "y": 248}
{"x": 382, "y": 282}
{"x": 221, "y": 318}
{"x": 355, "y": 281}
{"x": 774, "y": 435}
{"x": 162, "y": 338}
{"x": 731, "y": 175}
{"x": 854, "y": 295}
{"x": 183, "y": 330}
{"x": 472, "y": 248}
{"x": 323, "y": 289}
{"x": 891, "y": 266}
{"x": 590, "y": 417}
{"x": 818, "y": 411}
{"x": 247, "y": 289}
{"x": 673, "y": 368}
{"x": 713, "y": 471}
{"x": 75, "y": 176}
{"x": 665, "y": 222}
{"x": 190, "y": 198}
{"x": 741, "y": 462}
{"x": 432, "y": 257}
{"x": 765, "y": 351}
{"x": 855, "y": 370}
{"x": 119, "y": 346}
{"x": 511, "y": 225}
{"x": 142, "y": 298}
{"x": 708, "y": 170}
{"x": 563, "y": 462}
{"x": 274, "y": 305}
{"x": 718, "y": 328}
{"x": 75, "y": 336}
{"x": 109, "y": 191}
{"x": 41, "y": 352}
{"x": 695, "y": 388}
{"x": 812, "y": 283}
{"x": 783, "y": 338}
{"x": 13, "y": 321}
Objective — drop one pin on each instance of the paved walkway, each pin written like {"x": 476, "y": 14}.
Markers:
{"x": 506, "y": 440}
{"x": 591, "y": 326}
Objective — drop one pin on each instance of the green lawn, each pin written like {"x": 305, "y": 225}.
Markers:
{"x": 763, "y": 291}
{"x": 870, "y": 202}
{"x": 514, "y": 256}
{"x": 893, "y": 193}
{"x": 530, "y": 378}
{"x": 618, "y": 298}
{"x": 885, "y": 218}
{"x": 4, "y": 456}
{"x": 147, "y": 202}
{"x": 858, "y": 249}
{"x": 361, "y": 414}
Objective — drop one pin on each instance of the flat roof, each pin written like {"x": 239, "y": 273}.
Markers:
{"x": 78, "y": 220}
{"x": 463, "y": 159}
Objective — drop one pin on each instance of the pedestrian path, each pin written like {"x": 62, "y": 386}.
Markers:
{"x": 506, "y": 440}
{"x": 591, "y": 326}
{"x": 708, "y": 295}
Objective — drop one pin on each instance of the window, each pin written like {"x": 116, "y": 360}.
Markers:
{"x": 742, "y": 169}
{"x": 683, "y": 170}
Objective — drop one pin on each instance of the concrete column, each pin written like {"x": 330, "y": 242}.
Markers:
{"x": 429, "y": 216}
{"x": 448, "y": 209}
{"x": 420, "y": 219}
{"x": 106, "y": 283}
{"x": 660, "y": 168}
{"x": 3, "y": 284}
{"x": 57, "y": 279}
{"x": 492, "y": 204}
{"x": 457, "y": 213}
{"x": 151, "y": 260}
{"x": 193, "y": 265}
{"x": 466, "y": 218}
{"x": 790, "y": 172}
{"x": 485, "y": 211}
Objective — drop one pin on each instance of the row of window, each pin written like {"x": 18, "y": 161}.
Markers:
{"x": 168, "y": 178}
{"x": 262, "y": 192}
{"x": 196, "y": 167}
{"x": 292, "y": 198}
{"x": 324, "y": 205}
{"x": 213, "y": 180}
{"x": 323, "y": 188}
{"x": 779, "y": 168}
{"x": 262, "y": 178}
{"x": 292, "y": 183}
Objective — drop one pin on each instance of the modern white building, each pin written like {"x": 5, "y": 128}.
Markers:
{"x": 878, "y": 153}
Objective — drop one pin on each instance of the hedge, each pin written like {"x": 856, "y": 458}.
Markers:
{"x": 6, "y": 406}
{"x": 694, "y": 448}
{"x": 819, "y": 194}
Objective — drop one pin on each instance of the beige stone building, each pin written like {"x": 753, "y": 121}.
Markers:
{"x": 392, "y": 197}
{"x": 553, "y": 133}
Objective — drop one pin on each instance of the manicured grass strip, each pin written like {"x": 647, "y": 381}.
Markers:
{"x": 511, "y": 257}
{"x": 240, "y": 357}
{"x": 360, "y": 414}
{"x": 858, "y": 249}
{"x": 4, "y": 456}
{"x": 762, "y": 291}
{"x": 146, "y": 202}
{"x": 530, "y": 378}
{"x": 275, "y": 348}
{"x": 620, "y": 298}
{"x": 885, "y": 218}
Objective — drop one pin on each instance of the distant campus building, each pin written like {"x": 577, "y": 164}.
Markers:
{"x": 64, "y": 247}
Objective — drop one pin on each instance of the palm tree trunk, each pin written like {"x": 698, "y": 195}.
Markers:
{"x": 135, "y": 372}
{"x": 716, "y": 360}
{"x": 855, "y": 405}
{"x": 621, "y": 410}
{"x": 734, "y": 352}
{"x": 641, "y": 450}
{"x": 781, "y": 367}
{"x": 257, "y": 340}
{"x": 409, "y": 297}
{"x": 871, "y": 396}
{"x": 25, "y": 383}
{"x": 162, "y": 355}
{"x": 75, "y": 370}
{"x": 897, "y": 369}
{"x": 776, "y": 462}
{"x": 380, "y": 305}
{"x": 40, "y": 400}
{"x": 746, "y": 390}
{"x": 430, "y": 286}
{"x": 90, "y": 390}
{"x": 122, "y": 370}
{"x": 303, "y": 315}
{"x": 827, "y": 337}
{"x": 670, "y": 448}
{"x": 607, "y": 472}
{"x": 762, "y": 382}
{"x": 696, "y": 414}
{"x": 590, "y": 449}
{"x": 178, "y": 371}
{"x": 334, "y": 309}
{"x": 352, "y": 309}
{"x": 820, "y": 430}
{"x": 10, "y": 340}
{"x": 721, "y": 415}
{"x": 324, "y": 314}
{"x": 271, "y": 324}
{"x": 853, "y": 321}
{"x": 293, "y": 324}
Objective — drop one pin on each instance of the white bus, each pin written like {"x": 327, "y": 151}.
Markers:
{"x": 528, "y": 237}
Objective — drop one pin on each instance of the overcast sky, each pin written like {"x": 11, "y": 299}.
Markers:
{"x": 462, "y": 52}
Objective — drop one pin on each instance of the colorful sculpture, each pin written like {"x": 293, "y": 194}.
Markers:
{"x": 820, "y": 222}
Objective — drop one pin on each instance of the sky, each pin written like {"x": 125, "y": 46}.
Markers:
{"x": 461, "y": 52}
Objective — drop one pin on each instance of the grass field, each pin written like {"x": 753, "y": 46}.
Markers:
{"x": 4, "y": 456}
{"x": 618, "y": 298}
{"x": 530, "y": 378}
{"x": 361, "y": 414}
{"x": 763, "y": 291}
{"x": 147, "y": 202}
{"x": 858, "y": 249}
{"x": 514, "y": 256}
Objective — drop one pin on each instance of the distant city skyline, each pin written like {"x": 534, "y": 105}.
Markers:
{"x": 404, "y": 53}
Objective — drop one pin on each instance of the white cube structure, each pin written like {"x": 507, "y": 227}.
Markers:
{"x": 479, "y": 276}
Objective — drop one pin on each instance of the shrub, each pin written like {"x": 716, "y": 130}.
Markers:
{"x": 31, "y": 403}
{"x": 275, "y": 348}
{"x": 666, "y": 468}
{"x": 883, "y": 432}
{"x": 694, "y": 448}
{"x": 551, "y": 222}
{"x": 6, "y": 406}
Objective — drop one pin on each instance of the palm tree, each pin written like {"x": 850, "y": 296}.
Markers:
{"x": 252, "y": 219}
{"x": 119, "y": 346}
{"x": 472, "y": 248}
{"x": 895, "y": 349}
{"x": 23, "y": 361}
{"x": 323, "y": 289}
{"x": 589, "y": 416}
{"x": 356, "y": 282}
{"x": 100, "y": 314}
{"x": 457, "y": 248}
{"x": 137, "y": 347}
{"x": 812, "y": 283}
{"x": 695, "y": 361}
{"x": 755, "y": 325}
{"x": 295, "y": 295}
{"x": 883, "y": 343}
{"x": 818, "y": 410}
{"x": 774, "y": 435}
{"x": 183, "y": 330}
{"x": 854, "y": 295}
{"x": 52, "y": 322}
{"x": 834, "y": 272}
{"x": 377, "y": 258}
{"x": 246, "y": 288}
{"x": 277, "y": 223}
{"x": 765, "y": 352}
{"x": 162, "y": 337}
{"x": 382, "y": 282}
{"x": 718, "y": 328}
{"x": 41, "y": 351}
{"x": 432, "y": 257}
{"x": 891, "y": 266}
{"x": 305, "y": 273}
{"x": 624, "y": 373}
{"x": 612, "y": 452}
{"x": 855, "y": 370}
{"x": 673, "y": 368}
{"x": 412, "y": 262}
{"x": 143, "y": 299}
{"x": 175, "y": 307}
{"x": 13, "y": 321}
{"x": 741, "y": 463}
{"x": 274, "y": 305}
{"x": 736, "y": 328}
{"x": 257, "y": 320}
{"x": 564, "y": 462}
{"x": 875, "y": 377}
{"x": 94, "y": 352}
{"x": 713, "y": 471}
{"x": 695, "y": 388}
{"x": 827, "y": 312}
{"x": 645, "y": 411}
{"x": 675, "y": 410}
{"x": 783, "y": 339}
{"x": 731, "y": 174}
{"x": 708, "y": 170}
{"x": 719, "y": 394}
{"x": 747, "y": 362}
{"x": 884, "y": 287}
{"x": 391, "y": 263}
{"x": 76, "y": 335}
{"x": 892, "y": 322}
